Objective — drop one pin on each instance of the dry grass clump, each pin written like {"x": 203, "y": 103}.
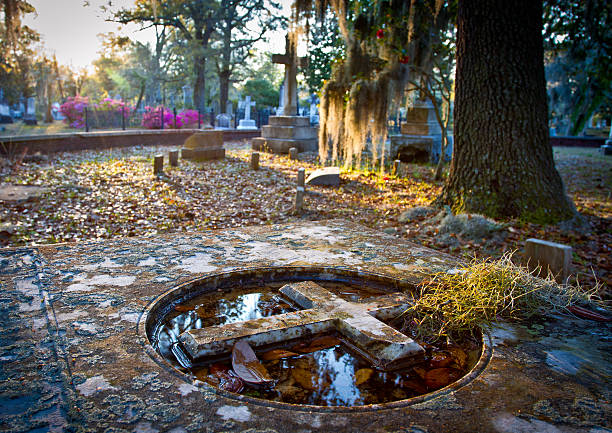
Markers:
{"x": 453, "y": 305}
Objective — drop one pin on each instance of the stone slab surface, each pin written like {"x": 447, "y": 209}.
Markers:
{"x": 328, "y": 176}
{"x": 10, "y": 192}
{"x": 203, "y": 154}
{"x": 289, "y": 121}
{"x": 71, "y": 358}
{"x": 204, "y": 140}
{"x": 282, "y": 145}
{"x": 291, "y": 132}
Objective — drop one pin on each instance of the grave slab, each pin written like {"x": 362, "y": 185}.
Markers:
{"x": 328, "y": 176}
{"x": 75, "y": 357}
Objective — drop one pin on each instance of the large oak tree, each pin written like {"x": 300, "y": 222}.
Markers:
{"x": 503, "y": 163}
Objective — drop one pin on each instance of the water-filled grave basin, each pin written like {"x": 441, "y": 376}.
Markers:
{"x": 325, "y": 337}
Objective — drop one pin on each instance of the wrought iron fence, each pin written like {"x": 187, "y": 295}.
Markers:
{"x": 162, "y": 118}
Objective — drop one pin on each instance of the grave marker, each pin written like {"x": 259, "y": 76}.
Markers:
{"x": 293, "y": 153}
{"x": 173, "y": 158}
{"x": 158, "y": 164}
{"x": 301, "y": 176}
{"x": 359, "y": 322}
{"x": 549, "y": 256}
{"x": 255, "y": 160}
{"x": 299, "y": 199}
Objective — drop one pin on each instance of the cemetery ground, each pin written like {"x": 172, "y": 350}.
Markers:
{"x": 113, "y": 193}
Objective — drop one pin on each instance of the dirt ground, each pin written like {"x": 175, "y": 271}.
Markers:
{"x": 104, "y": 194}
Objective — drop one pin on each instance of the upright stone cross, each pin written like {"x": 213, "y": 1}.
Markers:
{"x": 360, "y": 323}
{"x": 290, "y": 60}
{"x": 247, "y": 107}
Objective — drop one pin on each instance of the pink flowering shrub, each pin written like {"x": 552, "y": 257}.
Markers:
{"x": 151, "y": 118}
{"x": 108, "y": 104}
{"x": 72, "y": 110}
{"x": 189, "y": 118}
{"x": 184, "y": 119}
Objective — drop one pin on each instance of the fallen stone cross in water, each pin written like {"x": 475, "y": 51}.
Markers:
{"x": 360, "y": 323}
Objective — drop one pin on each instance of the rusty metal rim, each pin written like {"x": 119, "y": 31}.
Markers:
{"x": 149, "y": 314}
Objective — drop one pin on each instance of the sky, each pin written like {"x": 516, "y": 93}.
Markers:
{"x": 70, "y": 30}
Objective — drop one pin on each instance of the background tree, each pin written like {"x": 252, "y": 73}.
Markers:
{"x": 578, "y": 36}
{"x": 325, "y": 48}
{"x": 16, "y": 52}
{"x": 195, "y": 20}
{"x": 241, "y": 25}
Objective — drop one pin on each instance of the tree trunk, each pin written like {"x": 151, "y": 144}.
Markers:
{"x": 223, "y": 90}
{"x": 199, "y": 86}
{"x": 502, "y": 161}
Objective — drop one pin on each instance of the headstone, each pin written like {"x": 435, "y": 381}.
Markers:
{"x": 420, "y": 139}
{"x": 5, "y": 114}
{"x": 549, "y": 256}
{"x": 301, "y": 177}
{"x": 293, "y": 153}
{"x": 204, "y": 146}
{"x": 324, "y": 311}
{"x": 299, "y": 199}
{"x": 55, "y": 111}
{"x": 158, "y": 164}
{"x": 30, "y": 116}
{"x": 187, "y": 95}
{"x": 247, "y": 122}
{"x": 328, "y": 176}
{"x": 223, "y": 121}
{"x": 255, "y": 161}
{"x": 286, "y": 130}
{"x": 173, "y": 158}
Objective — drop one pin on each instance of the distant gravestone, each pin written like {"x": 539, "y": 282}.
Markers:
{"x": 247, "y": 122}
{"x": 5, "y": 114}
{"x": 30, "y": 116}
{"x": 223, "y": 121}
{"x": 549, "y": 256}
{"x": 328, "y": 176}
{"x": 293, "y": 153}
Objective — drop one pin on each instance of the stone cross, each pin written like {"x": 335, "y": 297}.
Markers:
{"x": 358, "y": 322}
{"x": 290, "y": 60}
{"x": 247, "y": 107}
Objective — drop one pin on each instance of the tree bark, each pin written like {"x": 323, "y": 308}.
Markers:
{"x": 502, "y": 161}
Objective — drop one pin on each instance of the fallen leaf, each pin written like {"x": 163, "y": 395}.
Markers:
{"x": 247, "y": 366}
{"x": 274, "y": 354}
{"x": 441, "y": 377}
{"x": 363, "y": 375}
{"x": 320, "y": 343}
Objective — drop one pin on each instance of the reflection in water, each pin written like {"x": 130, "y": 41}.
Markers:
{"x": 328, "y": 377}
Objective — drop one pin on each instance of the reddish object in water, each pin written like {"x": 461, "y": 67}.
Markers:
{"x": 247, "y": 366}
{"x": 588, "y": 314}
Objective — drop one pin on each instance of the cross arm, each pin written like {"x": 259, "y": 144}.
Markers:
{"x": 216, "y": 340}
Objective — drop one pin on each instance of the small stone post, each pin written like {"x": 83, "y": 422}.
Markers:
{"x": 158, "y": 164}
{"x": 396, "y": 167}
{"x": 293, "y": 153}
{"x": 549, "y": 256}
{"x": 255, "y": 160}
{"x": 301, "y": 177}
{"x": 299, "y": 199}
{"x": 173, "y": 158}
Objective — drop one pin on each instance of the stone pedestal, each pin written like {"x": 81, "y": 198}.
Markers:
{"x": 204, "y": 146}
{"x": 421, "y": 137}
{"x": 247, "y": 124}
{"x": 285, "y": 132}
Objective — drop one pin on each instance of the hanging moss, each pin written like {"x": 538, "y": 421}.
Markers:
{"x": 381, "y": 39}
